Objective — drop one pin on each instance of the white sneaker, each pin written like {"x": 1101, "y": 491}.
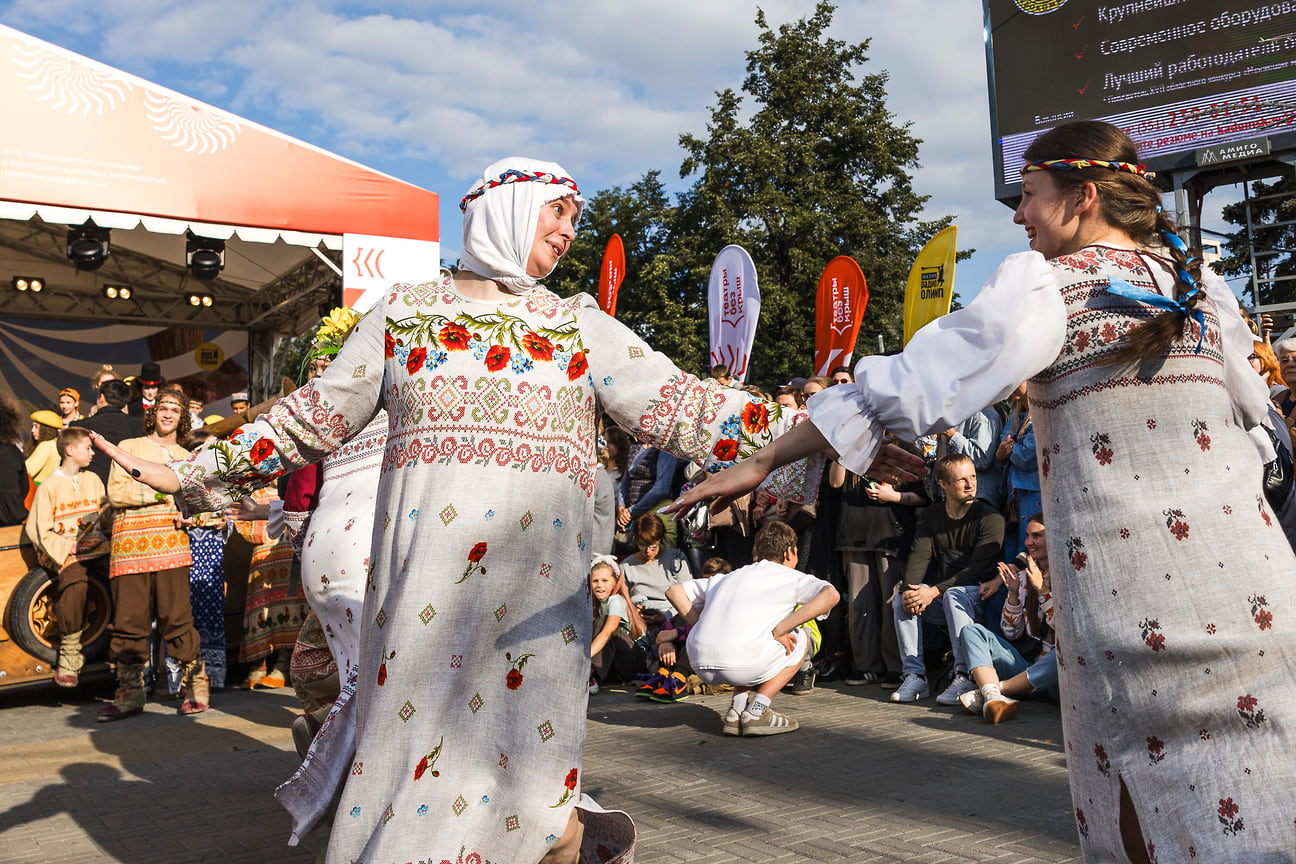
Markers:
{"x": 960, "y": 685}
{"x": 913, "y": 688}
{"x": 593, "y": 686}
{"x": 973, "y": 701}
{"x": 999, "y": 709}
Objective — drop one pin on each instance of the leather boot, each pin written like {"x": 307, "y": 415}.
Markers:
{"x": 195, "y": 688}
{"x": 70, "y": 660}
{"x": 130, "y": 697}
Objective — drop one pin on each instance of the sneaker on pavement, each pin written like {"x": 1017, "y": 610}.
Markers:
{"x": 856, "y": 679}
{"x": 732, "y": 722}
{"x": 913, "y": 688}
{"x": 802, "y": 683}
{"x": 960, "y": 685}
{"x": 593, "y": 686}
{"x": 770, "y": 722}
{"x": 973, "y": 701}
{"x": 999, "y": 709}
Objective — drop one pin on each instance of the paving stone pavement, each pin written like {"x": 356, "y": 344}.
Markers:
{"x": 862, "y": 780}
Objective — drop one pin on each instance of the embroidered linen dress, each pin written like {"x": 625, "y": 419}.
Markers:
{"x": 1176, "y": 626}
{"x": 476, "y": 630}
{"x": 275, "y": 608}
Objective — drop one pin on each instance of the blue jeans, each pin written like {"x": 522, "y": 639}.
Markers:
{"x": 955, "y": 610}
{"x": 984, "y": 648}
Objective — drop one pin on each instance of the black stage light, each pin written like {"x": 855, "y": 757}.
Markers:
{"x": 87, "y": 246}
{"x": 204, "y": 256}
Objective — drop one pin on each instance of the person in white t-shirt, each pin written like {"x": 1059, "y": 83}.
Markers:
{"x": 748, "y": 628}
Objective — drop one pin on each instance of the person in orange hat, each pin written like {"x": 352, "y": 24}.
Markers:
{"x": 69, "y": 405}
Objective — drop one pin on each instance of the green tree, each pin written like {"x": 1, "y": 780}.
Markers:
{"x": 820, "y": 169}
{"x": 1269, "y": 238}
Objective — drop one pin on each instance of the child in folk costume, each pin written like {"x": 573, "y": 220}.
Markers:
{"x": 65, "y": 527}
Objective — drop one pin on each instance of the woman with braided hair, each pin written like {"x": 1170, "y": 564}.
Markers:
{"x": 1176, "y": 625}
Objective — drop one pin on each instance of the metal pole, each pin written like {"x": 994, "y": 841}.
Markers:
{"x": 1255, "y": 283}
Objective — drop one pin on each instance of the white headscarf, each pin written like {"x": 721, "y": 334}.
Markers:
{"x": 501, "y": 212}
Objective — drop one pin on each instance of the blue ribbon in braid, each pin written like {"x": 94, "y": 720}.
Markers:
{"x": 1152, "y": 298}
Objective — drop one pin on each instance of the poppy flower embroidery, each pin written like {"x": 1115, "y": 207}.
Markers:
{"x": 1075, "y": 551}
{"x": 569, "y": 789}
{"x": 1152, "y": 637}
{"x": 1199, "y": 433}
{"x": 1230, "y": 816}
{"x": 475, "y": 555}
{"x": 514, "y": 678}
{"x": 1156, "y": 749}
{"x": 537, "y": 346}
{"x": 1082, "y": 823}
{"x": 1249, "y": 710}
{"x": 1100, "y": 756}
{"x": 497, "y": 357}
{"x": 261, "y": 450}
{"x": 1175, "y": 522}
{"x": 1102, "y": 450}
{"x": 417, "y": 357}
{"x": 455, "y": 337}
{"x": 726, "y": 449}
{"x": 1260, "y": 611}
{"x": 382, "y": 666}
{"x": 428, "y": 761}
{"x": 577, "y": 366}
{"x": 389, "y": 345}
{"x": 1263, "y": 515}
{"x": 755, "y": 418}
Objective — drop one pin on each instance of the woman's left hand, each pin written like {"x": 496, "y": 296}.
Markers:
{"x": 1034, "y": 576}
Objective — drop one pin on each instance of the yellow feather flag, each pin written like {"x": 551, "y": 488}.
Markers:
{"x": 931, "y": 282}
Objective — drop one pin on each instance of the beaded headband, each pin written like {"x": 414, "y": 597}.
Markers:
{"x": 515, "y": 176}
{"x": 1077, "y": 164}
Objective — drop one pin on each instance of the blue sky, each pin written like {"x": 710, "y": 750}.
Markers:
{"x": 433, "y": 91}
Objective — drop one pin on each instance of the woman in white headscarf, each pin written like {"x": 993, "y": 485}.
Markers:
{"x": 474, "y": 655}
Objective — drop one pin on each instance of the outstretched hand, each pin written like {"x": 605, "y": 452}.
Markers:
{"x": 154, "y": 474}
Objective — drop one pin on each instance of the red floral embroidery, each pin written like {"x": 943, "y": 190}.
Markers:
{"x": 1199, "y": 432}
{"x": 1260, "y": 612}
{"x": 261, "y": 450}
{"x": 1104, "y": 764}
{"x": 514, "y": 678}
{"x": 1175, "y": 522}
{"x": 1263, "y": 515}
{"x": 1075, "y": 551}
{"x": 497, "y": 357}
{"x": 1151, "y": 635}
{"x": 389, "y": 345}
{"x": 1102, "y": 450}
{"x": 726, "y": 449}
{"x": 382, "y": 667}
{"x": 417, "y": 357}
{"x": 569, "y": 788}
{"x": 1229, "y": 816}
{"x": 1109, "y": 332}
{"x": 755, "y": 418}
{"x": 1124, "y": 533}
{"x": 1204, "y": 734}
{"x": 475, "y": 555}
{"x": 455, "y": 337}
{"x": 1250, "y": 712}
{"x": 1082, "y": 823}
{"x": 1211, "y": 629}
{"x": 1046, "y": 464}
{"x": 570, "y": 782}
{"x": 577, "y": 366}
{"x": 1151, "y": 852}
{"x": 1151, "y": 424}
{"x": 537, "y": 346}
{"x": 1156, "y": 749}
{"x": 428, "y": 761}
{"x": 1082, "y": 340}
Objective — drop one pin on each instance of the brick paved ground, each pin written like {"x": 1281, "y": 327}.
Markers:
{"x": 862, "y": 780}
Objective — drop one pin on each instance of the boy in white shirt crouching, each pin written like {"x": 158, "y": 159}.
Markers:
{"x": 747, "y": 628}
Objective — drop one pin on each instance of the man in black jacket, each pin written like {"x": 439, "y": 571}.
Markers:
{"x": 112, "y": 422}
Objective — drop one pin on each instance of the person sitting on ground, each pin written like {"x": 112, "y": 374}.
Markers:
{"x": 617, "y": 624}
{"x": 668, "y": 650}
{"x": 950, "y": 573}
{"x": 42, "y": 451}
{"x": 66, "y": 529}
{"x": 749, "y": 628}
{"x": 1022, "y": 661}
{"x": 653, "y": 568}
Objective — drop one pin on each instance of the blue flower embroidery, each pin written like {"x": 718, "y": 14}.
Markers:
{"x": 422, "y": 811}
{"x": 355, "y": 811}
{"x": 436, "y": 358}
{"x": 731, "y": 428}
{"x": 490, "y": 514}
{"x": 479, "y": 347}
{"x": 607, "y": 381}
{"x": 557, "y": 523}
{"x": 413, "y": 515}
{"x": 521, "y": 364}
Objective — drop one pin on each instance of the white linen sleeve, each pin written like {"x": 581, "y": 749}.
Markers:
{"x": 1249, "y": 393}
{"x": 808, "y": 587}
{"x": 952, "y": 368}
{"x": 695, "y": 590}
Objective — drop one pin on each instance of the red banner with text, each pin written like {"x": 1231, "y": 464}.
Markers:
{"x": 839, "y": 309}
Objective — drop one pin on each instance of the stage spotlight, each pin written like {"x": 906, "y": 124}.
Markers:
{"x": 204, "y": 300}
{"x": 207, "y": 300}
{"x": 204, "y": 256}
{"x": 110, "y": 291}
{"x": 34, "y": 284}
{"x": 194, "y": 300}
{"x": 87, "y": 246}
{"x": 117, "y": 292}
